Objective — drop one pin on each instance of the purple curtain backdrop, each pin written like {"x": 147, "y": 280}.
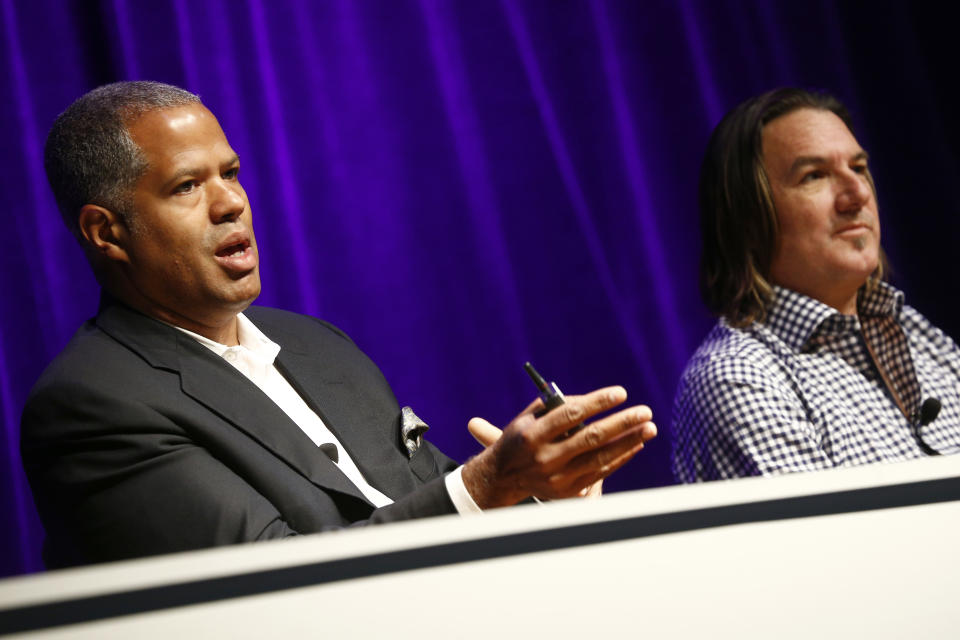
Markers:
{"x": 462, "y": 186}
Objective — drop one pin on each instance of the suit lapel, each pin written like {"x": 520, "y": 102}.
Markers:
{"x": 212, "y": 382}
{"x": 338, "y": 400}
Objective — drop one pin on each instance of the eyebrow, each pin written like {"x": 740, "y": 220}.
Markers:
{"x": 187, "y": 171}
{"x": 803, "y": 161}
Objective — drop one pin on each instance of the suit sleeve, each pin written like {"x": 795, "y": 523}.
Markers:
{"x": 115, "y": 478}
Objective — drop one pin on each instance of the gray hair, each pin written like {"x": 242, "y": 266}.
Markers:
{"x": 89, "y": 155}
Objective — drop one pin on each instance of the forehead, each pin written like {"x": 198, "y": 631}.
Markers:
{"x": 814, "y": 133}
{"x": 178, "y": 135}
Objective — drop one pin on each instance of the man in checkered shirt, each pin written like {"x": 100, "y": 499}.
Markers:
{"x": 815, "y": 362}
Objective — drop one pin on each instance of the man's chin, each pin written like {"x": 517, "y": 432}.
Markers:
{"x": 244, "y": 293}
{"x": 246, "y": 302}
{"x": 863, "y": 256}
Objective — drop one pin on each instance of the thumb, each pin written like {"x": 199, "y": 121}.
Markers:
{"x": 484, "y": 432}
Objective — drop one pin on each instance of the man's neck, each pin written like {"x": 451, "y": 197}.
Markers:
{"x": 843, "y": 300}
{"x": 222, "y": 328}
{"x": 226, "y": 334}
{"x": 223, "y": 331}
{"x": 847, "y": 305}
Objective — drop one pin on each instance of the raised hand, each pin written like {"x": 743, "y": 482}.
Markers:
{"x": 535, "y": 457}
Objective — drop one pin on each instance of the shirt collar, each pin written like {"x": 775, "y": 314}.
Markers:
{"x": 884, "y": 300}
{"x": 796, "y": 318}
{"x": 250, "y": 337}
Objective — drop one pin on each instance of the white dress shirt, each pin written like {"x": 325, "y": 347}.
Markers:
{"x": 254, "y": 357}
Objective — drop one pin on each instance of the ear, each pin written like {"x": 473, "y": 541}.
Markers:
{"x": 105, "y": 232}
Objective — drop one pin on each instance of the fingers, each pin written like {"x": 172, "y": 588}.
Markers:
{"x": 599, "y": 463}
{"x": 576, "y": 410}
{"x": 484, "y": 432}
{"x": 607, "y": 429}
{"x": 649, "y": 431}
{"x": 593, "y": 491}
{"x": 607, "y": 469}
{"x": 535, "y": 456}
{"x": 531, "y": 408}
{"x": 582, "y": 476}
{"x": 619, "y": 438}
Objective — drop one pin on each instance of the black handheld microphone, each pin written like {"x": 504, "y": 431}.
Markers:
{"x": 929, "y": 411}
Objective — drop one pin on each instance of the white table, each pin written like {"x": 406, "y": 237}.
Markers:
{"x": 867, "y": 552}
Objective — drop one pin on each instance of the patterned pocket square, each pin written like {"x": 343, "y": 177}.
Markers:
{"x": 412, "y": 429}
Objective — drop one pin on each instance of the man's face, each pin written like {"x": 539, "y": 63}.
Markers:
{"x": 191, "y": 254}
{"x": 829, "y": 241}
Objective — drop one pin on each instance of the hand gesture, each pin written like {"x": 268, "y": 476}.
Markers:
{"x": 539, "y": 457}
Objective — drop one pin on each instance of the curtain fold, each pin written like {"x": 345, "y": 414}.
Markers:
{"x": 465, "y": 186}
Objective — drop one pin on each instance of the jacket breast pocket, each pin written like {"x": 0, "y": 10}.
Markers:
{"x": 423, "y": 464}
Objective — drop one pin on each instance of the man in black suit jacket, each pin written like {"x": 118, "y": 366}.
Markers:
{"x": 145, "y": 436}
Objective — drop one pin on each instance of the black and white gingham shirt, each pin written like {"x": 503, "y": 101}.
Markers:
{"x": 800, "y": 391}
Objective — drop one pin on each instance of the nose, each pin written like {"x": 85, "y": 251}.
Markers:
{"x": 854, "y": 192}
{"x": 227, "y": 201}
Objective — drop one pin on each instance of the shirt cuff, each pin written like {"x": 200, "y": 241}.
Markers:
{"x": 458, "y": 493}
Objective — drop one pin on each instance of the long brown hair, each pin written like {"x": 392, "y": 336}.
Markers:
{"x": 738, "y": 221}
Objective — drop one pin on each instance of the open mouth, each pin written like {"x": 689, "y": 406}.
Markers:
{"x": 233, "y": 250}
{"x": 237, "y": 254}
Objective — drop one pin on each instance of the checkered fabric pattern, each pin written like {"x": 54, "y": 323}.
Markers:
{"x": 801, "y": 391}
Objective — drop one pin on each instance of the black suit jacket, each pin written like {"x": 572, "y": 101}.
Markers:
{"x": 138, "y": 440}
